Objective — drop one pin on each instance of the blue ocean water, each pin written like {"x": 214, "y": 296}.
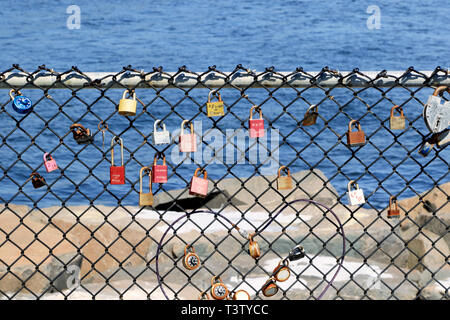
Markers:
{"x": 256, "y": 34}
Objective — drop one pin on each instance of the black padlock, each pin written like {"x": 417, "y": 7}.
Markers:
{"x": 80, "y": 134}
{"x": 37, "y": 180}
{"x": 297, "y": 253}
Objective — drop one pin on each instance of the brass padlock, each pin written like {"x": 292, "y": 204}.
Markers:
{"x": 216, "y": 108}
{"x": 285, "y": 182}
{"x": 397, "y": 122}
{"x": 393, "y": 211}
{"x": 310, "y": 117}
{"x": 81, "y": 134}
{"x": 355, "y": 138}
{"x": 145, "y": 199}
{"x": 127, "y": 107}
{"x": 253, "y": 247}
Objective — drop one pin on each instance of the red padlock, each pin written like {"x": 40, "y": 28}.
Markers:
{"x": 159, "y": 171}
{"x": 117, "y": 173}
{"x": 199, "y": 186}
{"x": 49, "y": 162}
{"x": 256, "y": 126}
{"x": 188, "y": 142}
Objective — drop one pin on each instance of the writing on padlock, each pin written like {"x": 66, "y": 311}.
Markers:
{"x": 284, "y": 182}
{"x": 437, "y": 114}
{"x": 215, "y": 108}
{"x": 116, "y": 173}
{"x": 188, "y": 141}
{"x": 256, "y": 126}
{"x": 37, "y": 180}
{"x": 356, "y": 196}
{"x": 49, "y": 163}
{"x": 159, "y": 171}
{"x": 397, "y": 122}
{"x": 145, "y": 199}
{"x": 127, "y": 106}
{"x": 393, "y": 211}
{"x": 160, "y": 137}
{"x": 20, "y": 103}
{"x": 310, "y": 117}
{"x": 199, "y": 186}
{"x": 81, "y": 134}
{"x": 355, "y": 138}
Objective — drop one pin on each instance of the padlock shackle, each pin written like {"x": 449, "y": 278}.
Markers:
{"x": 113, "y": 140}
{"x": 183, "y": 124}
{"x": 158, "y": 156}
{"x": 286, "y": 169}
{"x": 313, "y": 106}
{"x": 155, "y": 125}
{"x": 393, "y": 200}
{"x": 102, "y": 126}
{"x": 350, "y": 125}
{"x": 47, "y": 155}
{"x": 216, "y": 94}
{"x": 352, "y": 183}
{"x": 79, "y": 127}
{"x": 205, "y": 174}
{"x": 256, "y": 108}
{"x": 214, "y": 280}
{"x": 149, "y": 178}
{"x": 13, "y": 96}
{"x": 189, "y": 248}
{"x": 397, "y": 108}
{"x": 439, "y": 90}
{"x": 131, "y": 93}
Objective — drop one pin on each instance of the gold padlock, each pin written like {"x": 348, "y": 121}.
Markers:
{"x": 397, "y": 122}
{"x": 285, "y": 182}
{"x": 216, "y": 108}
{"x": 145, "y": 199}
{"x": 127, "y": 107}
{"x": 310, "y": 117}
{"x": 253, "y": 247}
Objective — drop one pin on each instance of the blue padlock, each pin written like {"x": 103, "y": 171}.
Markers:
{"x": 20, "y": 104}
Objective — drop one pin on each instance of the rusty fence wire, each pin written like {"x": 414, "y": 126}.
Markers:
{"x": 77, "y": 236}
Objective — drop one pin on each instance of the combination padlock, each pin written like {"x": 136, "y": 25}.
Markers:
{"x": 356, "y": 196}
{"x": 256, "y": 126}
{"x": 37, "y": 180}
{"x": 188, "y": 142}
{"x": 191, "y": 260}
{"x": 145, "y": 199}
{"x": 160, "y": 137}
{"x": 393, "y": 211}
{"x": 219, "y": 290}
{"x": 81, "y": 134}
{"x": 159, "y": 171}
{"x": 199, "y": 186}
{"x": 117, "y": 173}
{"x": 270, "y": 288}
{"x": 310, "y": 117}
{"x": 355, "y": 138}
{"x": 240, "y": 295}
{"x": 284, "y": 182}
{"x": 49, "y": 163}
{"x": 281, "y": 272}
{"x": 20, "y": 103}
{"x": 127, "y": 107}
{"x": 216, "y": 108}
{"x": 397, "y": 122}
{"x": 253, "y": 247}
{"x": 437, "y": 114}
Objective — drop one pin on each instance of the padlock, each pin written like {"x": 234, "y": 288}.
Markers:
{"x": 127, "y": 107}
{"x": 159, "y": 171}
{"x": 437, "y": 114}
{"x": 188, "y": 142}
{"x": 310, "y": 117}
{"x": 355, "y": 138}
{"x": 20, "y": 104}
{"x": 160, "y": 137}
{"x": 49, "y": 163}
{"x": 440, "y": 140}
{"x": 145, "y": 199}
{"x": 269, "y": 288}
{"x": 393, "y": 211}
{"x": 355, "y": 197}
{"x": 218, "y": 289}
{"x": 253, "y": 247}
{"x": 241, "y": 295}
{"x": 443, "y": 139}
{"x": 117, "y": 173}
{"x": 191, "y": 260}
{"x": 397, "y": 122}
{"x": 285, "y": 182}
{"x": 256, "y": 126}
{"x": 216, "y": 108}
{"x": 37, "y": 180}
{"x": 80, "y": 134}
{"x": 199, "y": 186}
{"x": 297, "y": 253}
{"x": 281, "y": 272}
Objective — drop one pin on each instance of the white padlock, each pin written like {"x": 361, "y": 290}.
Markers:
{"x": 356, "y": 196}
{"x": 160, "y": 137}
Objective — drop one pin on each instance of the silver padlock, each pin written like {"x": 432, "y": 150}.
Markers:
{"x": 437, "y": 114}
{"x": 160, "y": 137}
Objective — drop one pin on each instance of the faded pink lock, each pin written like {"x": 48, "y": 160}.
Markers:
{"x": 256, "y": 126}
{"x": 49, "y": 162}
{"x": 199, "y": 186}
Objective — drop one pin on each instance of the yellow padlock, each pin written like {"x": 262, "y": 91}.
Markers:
{"x": 216, "y": 108}
{"x": 145, "y": 199}
{"x": 127, "y": 107}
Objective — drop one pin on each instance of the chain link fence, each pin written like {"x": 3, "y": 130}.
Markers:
{"x": 78, "y": 236}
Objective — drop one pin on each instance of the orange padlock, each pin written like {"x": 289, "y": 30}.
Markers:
{"x": 270, "y": 288}
{"x": 218, "y": 289}
{"x": 355, "y": 138}
{"x": 281, "y": 272}
{"x": 284, "y": 182}
{"x": 253, "y": 247}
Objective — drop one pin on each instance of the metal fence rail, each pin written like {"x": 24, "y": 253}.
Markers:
{"x": 79, "y": 236}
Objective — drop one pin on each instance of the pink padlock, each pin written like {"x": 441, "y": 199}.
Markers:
{"x": 188, "y": 142}
{"x": 49, "y": 162}
{"x": 256, "y": 126}
{"x": 199, "y": 186}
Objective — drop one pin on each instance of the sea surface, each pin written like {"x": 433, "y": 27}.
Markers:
{"x": 198, "y": 34}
